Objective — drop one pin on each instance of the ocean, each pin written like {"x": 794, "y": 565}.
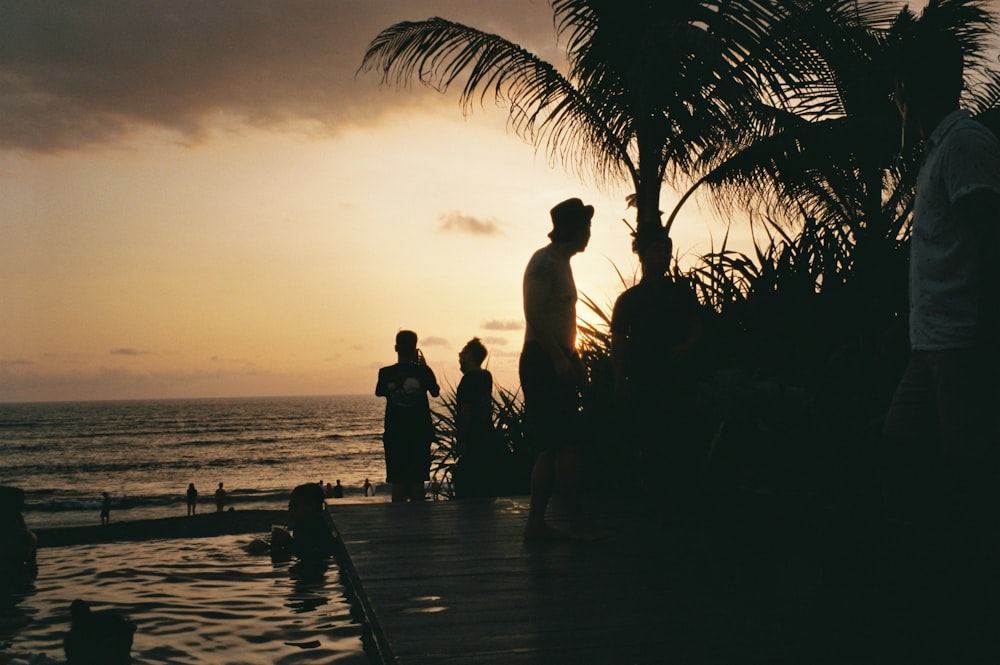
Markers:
{"x": 144, "y": 453}
{"x": 196, "y": 601}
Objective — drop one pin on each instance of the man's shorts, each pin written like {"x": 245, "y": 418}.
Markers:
{"x": 947, "y": 404}
{"x": 551, "y": 402}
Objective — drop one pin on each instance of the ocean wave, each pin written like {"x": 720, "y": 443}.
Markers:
{"x": 63, "y": 455}
{"x": 56, "y": 468}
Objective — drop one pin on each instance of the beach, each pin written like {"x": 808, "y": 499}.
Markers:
{"x": 205, "y": 525}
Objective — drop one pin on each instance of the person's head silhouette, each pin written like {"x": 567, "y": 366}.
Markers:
{"x": 98, "y": 638}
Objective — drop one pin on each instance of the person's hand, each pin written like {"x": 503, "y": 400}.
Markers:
{"x": 563, "y": 366}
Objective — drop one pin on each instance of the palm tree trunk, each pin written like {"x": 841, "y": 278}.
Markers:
{"x": 647, "y": 192}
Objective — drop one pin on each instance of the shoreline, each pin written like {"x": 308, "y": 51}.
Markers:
{"x": 205, "y": 525}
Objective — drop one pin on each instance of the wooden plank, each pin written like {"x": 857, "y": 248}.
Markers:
{"x": 452, "y": 583}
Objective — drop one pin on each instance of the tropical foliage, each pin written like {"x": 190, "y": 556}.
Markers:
{"x": 780, "y": 108}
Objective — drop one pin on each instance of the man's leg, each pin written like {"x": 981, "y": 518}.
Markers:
{"x": 416, "y": 491}
{"x": 543, "y": 476}
{"x": 567, "y": 474}
{"x": 912, "y": 443}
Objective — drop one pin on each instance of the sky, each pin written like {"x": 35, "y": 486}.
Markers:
{"x": 206, "y": 198}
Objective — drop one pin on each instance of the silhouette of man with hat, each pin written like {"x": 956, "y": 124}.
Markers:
{"x": 551, "y": 370}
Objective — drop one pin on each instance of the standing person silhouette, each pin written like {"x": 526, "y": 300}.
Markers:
{"x": 220, "y": 499}
{"x": 551, "y": 371}
{"x": 368, "y": 488}
{"x": 105, "y": 508}
{"x": 477, "y": 464}
{"x": 941, "y": 426}
{"x": 192, "y": 499}
{"x": 409, "y": 429}
{"x": 655, "y": 326}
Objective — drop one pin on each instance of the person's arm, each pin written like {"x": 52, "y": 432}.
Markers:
{"x": 972, "y": 179}
{"x": 980, "y": 211}
{"x": 488, "y": 388}
{"x": 686, "y": 346}
{"x": 463, "y": 416}
{"x": 695, "y": 326}
{"x": 618, "y": 344}
{"x": 433, "y": 388}
{"x": 380, "y": 390}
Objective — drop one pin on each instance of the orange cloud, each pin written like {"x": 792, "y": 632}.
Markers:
{"x": 503, "y": 325}
{"x": 459, "y": 223}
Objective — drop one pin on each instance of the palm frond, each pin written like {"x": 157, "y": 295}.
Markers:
{"x": 545, "y": 108}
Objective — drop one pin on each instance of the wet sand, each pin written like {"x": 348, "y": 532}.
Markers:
{"x": 205, "y": 525}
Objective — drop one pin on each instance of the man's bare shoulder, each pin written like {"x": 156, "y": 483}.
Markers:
{"x": 543, "y": 264}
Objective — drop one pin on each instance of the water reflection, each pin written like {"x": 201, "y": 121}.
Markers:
{"x": 196, "y": 601}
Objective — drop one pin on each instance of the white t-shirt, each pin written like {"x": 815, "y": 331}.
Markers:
{"x": 962, "y": 157}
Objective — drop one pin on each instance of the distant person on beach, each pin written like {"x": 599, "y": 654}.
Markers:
{"x": 475, "y": 471}
{"x": 327, "y": 490}
{"x": 655, "y": 327}
{"x": 941, "y": 426}
{"x": 220, "y": 499}
{"x": 105, "y": 508}
{"x": 552, "y": 371}
{"x": 18, "y": 543}
{"x": 409, "y": 429}
{"x": 368, "y": 488}
{"x": 192, "y": 499}
{"x": 338, "y": 491}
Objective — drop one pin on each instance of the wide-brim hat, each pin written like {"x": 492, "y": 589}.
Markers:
{"x": 569, "y": 218}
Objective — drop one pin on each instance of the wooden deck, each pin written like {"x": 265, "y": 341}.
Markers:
{"x": 451, "y": 582}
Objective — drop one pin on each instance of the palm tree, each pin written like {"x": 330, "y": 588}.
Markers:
{"x": 653, "y": 89}
{"x": 833, "y": 155}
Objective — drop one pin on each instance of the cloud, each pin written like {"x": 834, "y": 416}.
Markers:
{"x": 433, "y": 341}
{"x": 514, "y": 353}
{"x": 78, "y": 74}
{"x": 503, "y": 325}
{"x": 10, "y": 364}
{"x": 459, "y": 223}
{"x": 231, "y": 361}
{"x": 129, "y": 352}
{"x": 496, "y": 341}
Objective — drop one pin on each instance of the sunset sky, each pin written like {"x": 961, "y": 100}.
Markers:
{"x": 204, "y": 198}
